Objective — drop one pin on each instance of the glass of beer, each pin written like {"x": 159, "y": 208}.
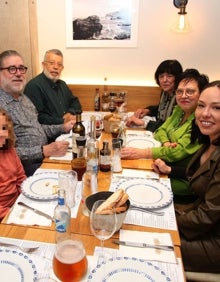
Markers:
{"x": 69, "y": 261}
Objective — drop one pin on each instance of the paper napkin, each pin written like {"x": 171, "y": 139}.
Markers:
{"x": 149, "y": 238}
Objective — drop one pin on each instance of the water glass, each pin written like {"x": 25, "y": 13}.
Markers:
{"x": 67, "y": 180}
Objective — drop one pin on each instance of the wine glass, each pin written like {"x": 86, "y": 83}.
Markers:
{"x": 103, "y": 226}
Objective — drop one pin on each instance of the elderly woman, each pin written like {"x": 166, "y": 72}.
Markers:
{"x": 11, "y": 170}
{"x": 199, "y": 223}
{"x": 167, "y": 77}
{"x": 175, "y": 133}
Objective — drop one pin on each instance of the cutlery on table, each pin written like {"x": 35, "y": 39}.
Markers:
{"x": 143, "y": 245}
{"x": 160, "y": 213}
{"x": 25, "y": 249}
{"x": 36, "y": 210}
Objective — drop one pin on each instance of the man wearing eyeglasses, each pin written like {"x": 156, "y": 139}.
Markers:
{"x": 51, "y": 96}
{"x": 31, "y": 137}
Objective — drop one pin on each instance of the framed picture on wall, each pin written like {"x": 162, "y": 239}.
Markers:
{"x": 102, "y": 23}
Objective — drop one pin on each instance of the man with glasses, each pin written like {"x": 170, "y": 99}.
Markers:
{"x": 51, "y": 96}
{"x": 31, "y": 137}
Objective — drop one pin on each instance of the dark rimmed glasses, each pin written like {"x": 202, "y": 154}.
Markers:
{"x": 14, "y": 69}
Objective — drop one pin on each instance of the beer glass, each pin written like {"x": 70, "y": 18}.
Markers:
{"x": 69, "y": 261}
{"x": 103, "y": 226}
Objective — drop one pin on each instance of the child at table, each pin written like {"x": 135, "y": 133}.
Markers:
{"x": 11, "y": 170}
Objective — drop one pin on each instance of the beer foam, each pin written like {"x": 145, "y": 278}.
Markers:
{"x": 69, "y": 252}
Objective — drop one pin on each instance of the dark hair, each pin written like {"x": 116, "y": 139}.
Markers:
{"x": 196, "y": 134}
{"x": 193, "y": 74}
{"x": 8, "y": 53}
{"x": 171, "y": 67}
{"x": 10, "y": 141}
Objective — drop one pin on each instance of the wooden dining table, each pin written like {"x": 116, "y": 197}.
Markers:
{"x": 80, "y": 228}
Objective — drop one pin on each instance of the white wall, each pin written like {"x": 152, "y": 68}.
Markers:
{"x": 156, "y": 42}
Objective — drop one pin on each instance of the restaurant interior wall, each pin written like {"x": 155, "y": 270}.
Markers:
{"x": 156, "y": 42}
{"x": 121, "y": 66}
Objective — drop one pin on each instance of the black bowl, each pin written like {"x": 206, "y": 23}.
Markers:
{"x": 103, "y": 195}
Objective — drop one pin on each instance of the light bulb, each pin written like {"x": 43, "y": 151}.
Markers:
{"x": 181, "y": 24}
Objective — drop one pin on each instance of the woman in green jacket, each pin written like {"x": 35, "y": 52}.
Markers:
{"x": 174, "y": 134}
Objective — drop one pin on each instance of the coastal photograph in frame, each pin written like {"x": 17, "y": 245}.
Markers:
{"x": 102, "y": 23}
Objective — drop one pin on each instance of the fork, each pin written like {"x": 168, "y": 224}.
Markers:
{"x": 159, "y": 213}
{"x": 24, "y": 249}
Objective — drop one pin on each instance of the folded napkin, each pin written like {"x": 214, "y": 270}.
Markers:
{"x": 25, "y": 216}
{"x": 130, "y": 173}
{"x": 152, "y": 238}
{"x": 67, "y": 157}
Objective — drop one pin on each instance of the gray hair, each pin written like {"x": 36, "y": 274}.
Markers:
{"x": 53, "y": 51}
{"x": 8, "y": 53}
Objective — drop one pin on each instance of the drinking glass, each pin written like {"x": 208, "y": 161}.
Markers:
{"x": 70, "y": 261}
{"x": 103, "y": 226}
{"x": 67, "y": 180}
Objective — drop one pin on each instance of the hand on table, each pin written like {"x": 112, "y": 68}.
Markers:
{"x": 160, "y": 166}
{"x": 56, "y": 149}
{"x": 69, "y": 117}
{"x": 140, "y": 113}
{"x": 134, "y": 121}
{"x": 135, "y": 153}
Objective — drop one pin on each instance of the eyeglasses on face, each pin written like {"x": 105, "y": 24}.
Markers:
{"x": 52, "y": 63}
{"x": 187, "y": 91}
{"x": 14, "y": 69}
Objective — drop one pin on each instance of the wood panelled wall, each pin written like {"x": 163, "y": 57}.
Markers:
{"x": 18, "y": 22}
{"x": 138, "y": 96}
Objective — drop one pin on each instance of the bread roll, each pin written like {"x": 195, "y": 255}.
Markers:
{"x": 117, "y": 200}
{"x": 123, "y": 200}
{"x": 111, "y": 201}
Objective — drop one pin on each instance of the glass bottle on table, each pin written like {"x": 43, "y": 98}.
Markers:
{"x": 77, "y": 130}
{"x": 105, "y": 157}
{"x": 62, "y": 216}
{"x": 105, "y": 97}
{"x": 93, "y": 147}
{"x": 79, "y": 164}
{"x": 97, "y": 100}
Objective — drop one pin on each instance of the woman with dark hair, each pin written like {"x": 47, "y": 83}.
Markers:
{"x": 11, "y": 170}
{"x": 199, "y": 223}
{"x": 167, "y": 77}
{"x": 175, "y": 133}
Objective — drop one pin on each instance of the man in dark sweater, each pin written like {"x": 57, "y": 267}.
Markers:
{"x": 51, "y": 96}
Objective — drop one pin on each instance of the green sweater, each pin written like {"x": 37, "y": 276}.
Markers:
{"x": 172, "y": 131}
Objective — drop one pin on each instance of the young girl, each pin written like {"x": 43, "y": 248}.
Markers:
{"x": 11, "y": 170}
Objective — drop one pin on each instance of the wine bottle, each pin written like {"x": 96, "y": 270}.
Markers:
{"x": 105, "y": 157}
{"x": 93, "y": 147}
{"x": 97, "y": 100}
{"x": 62, "y": 216}
{"x": 77, "y": 130}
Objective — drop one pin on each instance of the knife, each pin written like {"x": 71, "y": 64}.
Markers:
{"x": 143, "y": 245}
{"x": 36, "y": 211}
